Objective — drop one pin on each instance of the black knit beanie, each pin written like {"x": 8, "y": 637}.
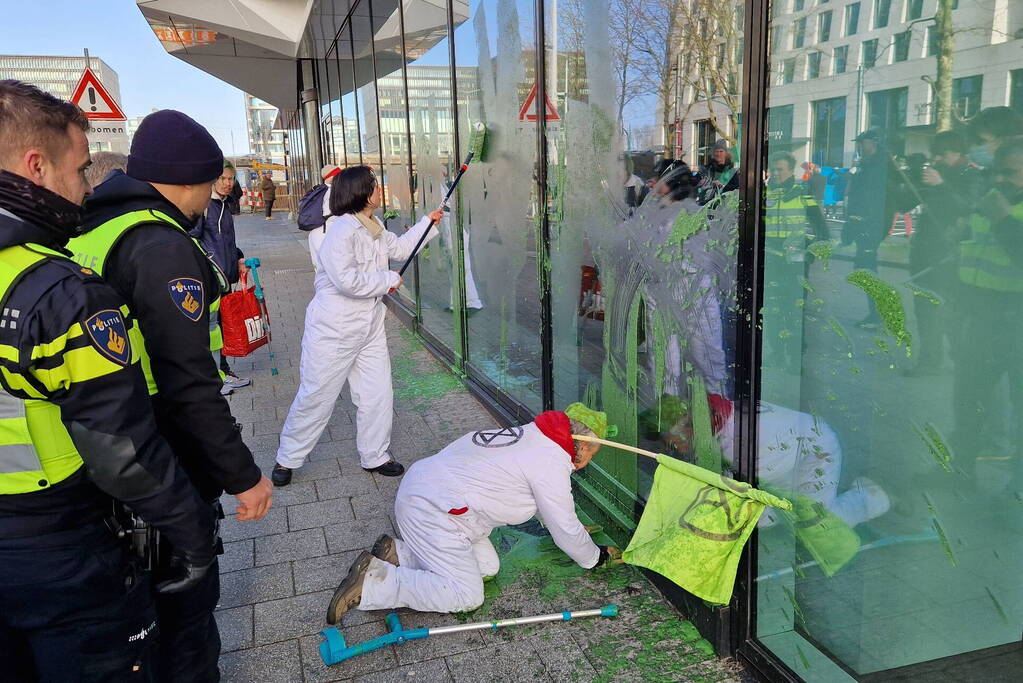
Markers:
{"x": 171, "y": 148}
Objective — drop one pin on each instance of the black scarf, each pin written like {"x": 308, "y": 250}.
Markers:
{"x": 59, "y": 219}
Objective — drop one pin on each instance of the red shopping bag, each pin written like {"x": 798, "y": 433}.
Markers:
{"x": 241, "y": 320}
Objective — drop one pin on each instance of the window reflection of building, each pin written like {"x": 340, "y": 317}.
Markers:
{"x": 265, "y": 141}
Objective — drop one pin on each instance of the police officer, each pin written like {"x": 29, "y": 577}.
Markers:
{"x": 136, "y": 238}
{"x": 792, "y": 218}
{"x": 75, "y": 427}
{"x": 989, "y": 343}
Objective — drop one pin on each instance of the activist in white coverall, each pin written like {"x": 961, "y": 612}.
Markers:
{"x": 344, "y": 337}
{"x": 448, "y": 504}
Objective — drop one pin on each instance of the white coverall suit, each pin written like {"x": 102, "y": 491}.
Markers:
{"x": 498, "y": 477}
{"x": 801, "y": 453}
{"x": 344, "y": 340}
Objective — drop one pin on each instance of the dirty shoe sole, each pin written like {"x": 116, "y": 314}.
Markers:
{"x": 349, "y": 592}
{"x": 386, "y": 550}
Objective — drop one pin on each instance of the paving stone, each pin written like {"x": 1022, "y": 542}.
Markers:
{"x": 315, "y": 670}
{"x": 317, "y": 469}
{"x": 322, "y": 573}
{"x": 373, "y": 506}
{"x": 291, "y": 617}
{"x": 235, "y": 626}
{"x": 296, "y": 545}
{"x": 428, "y": 672}
{"x": 258, "y": 584}
{"x": 564, "y": 660}
{"x": 513, "y": 661}
{"x": 277, "y": 663}
{"x": 356, "y": 535}
{"x": 319, "y": 514}
{"x": 346, "y": 486}
{"x": 264, "y": 427}
{"x": 237, "y": 555}
{"x": 295, "y": 493}
{"x": 275, "y": 522}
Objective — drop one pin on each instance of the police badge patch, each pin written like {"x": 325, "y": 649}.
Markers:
{"x": 109, "y": 335}
{"x": 187, "y": 294}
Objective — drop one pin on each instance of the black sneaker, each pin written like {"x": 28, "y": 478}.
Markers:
{"x": 281, "y": 476}
{"x": 391, "y": 468}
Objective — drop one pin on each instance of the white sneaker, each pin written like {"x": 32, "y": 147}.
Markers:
{"x": 875, "y": 501}
{"x": 235, "y": 382}
{"x": 226, "y": 390}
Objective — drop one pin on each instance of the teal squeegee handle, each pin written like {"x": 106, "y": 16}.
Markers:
{"x": 334, "y": 649}
{"x": 252, "y": 263}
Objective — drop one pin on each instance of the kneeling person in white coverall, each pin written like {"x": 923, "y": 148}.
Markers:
{"x": 344, "y": 339}
{"x": 448, "y": 504}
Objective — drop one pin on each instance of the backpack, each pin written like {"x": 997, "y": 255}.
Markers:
{"x": 310, "y": 209}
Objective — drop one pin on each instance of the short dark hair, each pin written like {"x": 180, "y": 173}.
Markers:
{"x": 31, "y": 118}
{"x": 1001, "y": 122}
{"x": 949, "y": 141}
{"x": 351, "y": 189}
{"x": 786, "y": 157}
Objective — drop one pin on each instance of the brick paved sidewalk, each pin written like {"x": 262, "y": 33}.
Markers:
{"x": 278, "y": 573}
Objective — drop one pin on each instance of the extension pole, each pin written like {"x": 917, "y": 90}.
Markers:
{"x": 608, "y": 611}
{"x": 447, "y": 196}
{"x": 615, "y": 444}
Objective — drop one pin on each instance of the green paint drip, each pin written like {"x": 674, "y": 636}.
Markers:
{"x": 936, "y": 445}
{"x": 888, "y": 303}
{"x": 923, "y": 293}
{"x": 822, "y": 252}
{"x": 837, "y": 328}
{"x": 997, "y": 605}
{"x": 944, "y": 542}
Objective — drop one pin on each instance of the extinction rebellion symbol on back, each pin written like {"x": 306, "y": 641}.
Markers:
{"x": 497, "y": 438}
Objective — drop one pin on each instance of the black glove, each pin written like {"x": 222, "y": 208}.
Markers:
{"x": 188, "y": 569}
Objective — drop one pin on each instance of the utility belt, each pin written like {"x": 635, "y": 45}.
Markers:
{"x": 148, "y": 549}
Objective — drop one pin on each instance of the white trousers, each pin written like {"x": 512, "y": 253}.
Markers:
{"x": 327, "y": 363}
{"x": 440, "y": 568}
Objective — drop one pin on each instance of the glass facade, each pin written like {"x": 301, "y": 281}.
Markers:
{"x": 707, "y": 219}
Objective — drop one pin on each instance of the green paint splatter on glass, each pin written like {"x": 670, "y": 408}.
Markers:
{"x": 887, "y": 302}
{"x": 997, "y": 605}
{"x": 923, "y": 293}
{"x": 944, "y": 542}
{"x": 936, "y": 444}
{"x": 822, "y": 252}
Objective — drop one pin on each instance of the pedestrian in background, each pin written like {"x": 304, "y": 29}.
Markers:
{"x": 103, "y": 164}
{"x": 344, "y": 341}
{"x": 137, "y": 239}
{"x": 317, "y": 235}
{"x": 269, "y": 190}
{"x": 78, "y": 430}
{"x": 215, "y": 232}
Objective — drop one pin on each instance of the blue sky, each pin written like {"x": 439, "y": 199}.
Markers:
{"x": 116, "y": 32}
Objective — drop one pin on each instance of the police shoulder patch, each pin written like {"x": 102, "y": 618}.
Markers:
{"x": 109, "y": 335}
{"x": 188, "y": 295}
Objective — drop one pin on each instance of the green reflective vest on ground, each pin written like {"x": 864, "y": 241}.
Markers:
{"x": 36, "y": 450}
{"x": 93, "y": 248}
{"x": 785, "y": 211}
{"x": 984, "y": 263}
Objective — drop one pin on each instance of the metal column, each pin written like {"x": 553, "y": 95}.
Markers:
{"x": 311, "y": 113}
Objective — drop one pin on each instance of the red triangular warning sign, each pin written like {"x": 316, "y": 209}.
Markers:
{"x": 526, "y": 113}
{"x": 94, "y": 100}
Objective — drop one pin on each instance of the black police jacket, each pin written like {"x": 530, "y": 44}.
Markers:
{"x": 192, "y": 415}
{"x": 107, "y": 416}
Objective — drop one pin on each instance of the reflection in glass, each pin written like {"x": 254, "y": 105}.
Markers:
{"x": 892, "y": 396}
{"x": 495, "y": 51}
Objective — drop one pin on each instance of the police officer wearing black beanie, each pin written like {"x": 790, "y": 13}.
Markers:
{"x": 136, "y": 237}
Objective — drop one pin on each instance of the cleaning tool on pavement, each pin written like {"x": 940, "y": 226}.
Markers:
{"x": 694, "y": 525}
{"x": 476, "y": 148}
{"x": 334, "y": 649}
{"x": 241, "y": 320}
{"x": 253, "y": 264}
